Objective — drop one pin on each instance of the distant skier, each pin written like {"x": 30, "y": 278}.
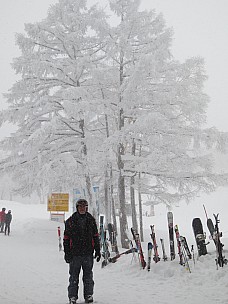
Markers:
{"x": 2, "y": 219}
{"x": 80, "y": 240}
{"x": 8, "y": 220}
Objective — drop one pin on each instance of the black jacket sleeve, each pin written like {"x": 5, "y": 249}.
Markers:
{"x": 96, "y": 237}
{"x": 67, "y": 238}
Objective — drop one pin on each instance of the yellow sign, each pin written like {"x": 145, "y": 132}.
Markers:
{"x": 58, "y": 202}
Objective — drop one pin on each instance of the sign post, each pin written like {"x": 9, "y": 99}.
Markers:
{"x": 58, "y": 202}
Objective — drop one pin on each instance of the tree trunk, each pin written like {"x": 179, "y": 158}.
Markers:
{"x": 108, "y": 209}
{"x": 133, "y": 208}
{"x": 107, "y": 199}
{"x": 120, "y": 165}
{"x": 122, "y": 212}
{"x": 132, "y": 195}
{"x": 140, "y": 210}
{"x": 88, "y": 183}
{"x": 90, "y": 196}
{"x": 121, "y": 189}
{"x": 112, "y": 201}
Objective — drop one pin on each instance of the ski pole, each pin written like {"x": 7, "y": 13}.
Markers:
{"x": 59, "y": 236}
{"x": 185, "y": 257}
{"x": 133, "y": 252}
{"x": 193, "y": 254}
{"x": 205, "y": 211}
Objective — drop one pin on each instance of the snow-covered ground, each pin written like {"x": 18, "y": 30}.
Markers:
{"x": 33, "y": 270}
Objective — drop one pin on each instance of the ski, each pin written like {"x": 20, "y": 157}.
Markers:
{"x": 139, "y": 247}
{"x": 164, "y": 256}
{"x": 156, "y": 257}
{"x": 104, "y": 243}
{"x": 171, "y": 235}
{"x": 184, "y": 253}
{"x": 220, "y": 259}
{"x": 150, "y": 247}
{"x": 176, "y": 229}
{"x": 210, "y": 226}
{"x": 115, "y": 258}
{"x": 200, "y": 236}
{"x": 112, "y": 238}
{"x": 185, "y": 245}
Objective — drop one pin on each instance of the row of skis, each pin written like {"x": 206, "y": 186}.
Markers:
{"x": 111, "y": 254}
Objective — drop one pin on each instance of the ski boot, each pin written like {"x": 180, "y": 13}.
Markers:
{"x": 72, "y": 300}
{"x": 89, "y": 299}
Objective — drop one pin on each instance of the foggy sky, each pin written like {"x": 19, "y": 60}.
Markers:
{"x": 200, "y": 29}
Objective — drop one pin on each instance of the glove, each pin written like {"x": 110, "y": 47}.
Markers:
{"x": 97, "y": 255}
{"x": 68, "y": 257}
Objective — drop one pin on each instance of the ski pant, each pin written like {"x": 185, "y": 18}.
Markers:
{"x": 7, "y": 228}
{"x": 86, "y": 263}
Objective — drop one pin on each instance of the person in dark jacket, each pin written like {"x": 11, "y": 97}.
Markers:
{"x": 80, "y": 240}
{"x": 2, "y": 219}
{"x": 8, "y": 220}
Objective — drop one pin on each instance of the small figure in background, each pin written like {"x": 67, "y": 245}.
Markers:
{"x": 8, "y": 220}
{"x": 2, "y": 219}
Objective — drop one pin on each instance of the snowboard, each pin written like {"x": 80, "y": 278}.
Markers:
{"x": 211, "y": 228}
{"x": 199, "y": 236}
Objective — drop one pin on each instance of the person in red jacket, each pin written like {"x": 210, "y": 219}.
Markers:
{"x": 7, "y": 222}
{"x": 2, "y": 219}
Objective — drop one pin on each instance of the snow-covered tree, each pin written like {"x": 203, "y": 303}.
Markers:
{"x": 51, "y": 104}
{"x": 108, "y": 103}
{"x": 161, "y": 106}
